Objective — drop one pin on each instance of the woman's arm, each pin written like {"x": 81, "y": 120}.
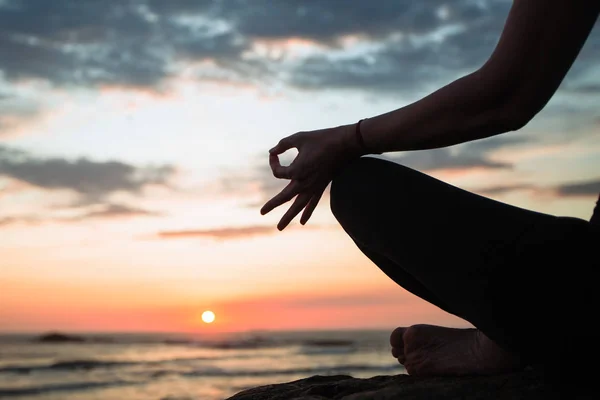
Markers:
{"x": 539, "y": 43}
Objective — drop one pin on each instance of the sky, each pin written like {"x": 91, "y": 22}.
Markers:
{"x": 133, "y": 155}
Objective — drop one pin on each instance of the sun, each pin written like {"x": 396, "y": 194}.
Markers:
{"x": 208, "y": 316}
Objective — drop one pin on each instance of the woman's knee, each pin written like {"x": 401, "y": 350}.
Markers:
{"x": 343, "y": 187}
{"x": 359, "y": 184}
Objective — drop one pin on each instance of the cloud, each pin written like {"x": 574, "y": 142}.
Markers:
{"x": 104, "y": 211}
{"x": 15, "y": 110}
{"x": 359, "y": 299}
{"x": 221, "y": 234}
{"x": 92, "y": 180}
{"x": 182, "y": 7}
{"x": 29, "y": 220}
{"x": 70, "y": 43}
{"x": 115, "y": 211}
{"x": 587, "y": 188}
{"x": 230, "y": 233}
{"x": 440, "y": 41}
{"x": 589, "y": 88}
{"x": 475, "y": 154}
{"x": 584, "y": 189}
{"x": 488, "y": 145}
{"x": 327, "y": 20}
{"x": 502, "y": 189}
{"x": 424, "y": 59}
{"x": 400, "y": 67}
{"x": 437, "y": 159}
{"x": 100, "y": 42}
{"x": 410, "y": 45}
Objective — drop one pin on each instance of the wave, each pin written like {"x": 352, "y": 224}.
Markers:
{"x": 335, "y": 369}
{"x": 248, "y": 341}
{"x": 66, "y": 387}
{"x": 59, "y": 338}
{"x": 214, "y": 372}
{"x": 151, "y": 376}
{"x": 328, "y": 343}
{"x": 65, "y": 365}
{"x": 75, "y": 365}
{"x": 325, "y": 351}
{"x": 311, "y": 343}
{"x": 88, "y": 364}
{"x": 241, "y": 343}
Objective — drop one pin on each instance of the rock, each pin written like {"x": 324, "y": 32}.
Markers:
{"x": 529, "y": 385}
{"x": 58, "y": 338}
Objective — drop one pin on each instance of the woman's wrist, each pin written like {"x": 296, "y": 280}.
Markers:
{"x": 349, "y": 143}
{"x": 356, "y": 139}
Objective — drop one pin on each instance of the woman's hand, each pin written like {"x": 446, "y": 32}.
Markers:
{"x": 320, "y": 154}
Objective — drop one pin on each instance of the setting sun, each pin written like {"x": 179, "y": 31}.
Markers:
{"x": 208, "y": 316}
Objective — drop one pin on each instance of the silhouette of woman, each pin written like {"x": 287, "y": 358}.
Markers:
{"x": 520, "y": 277}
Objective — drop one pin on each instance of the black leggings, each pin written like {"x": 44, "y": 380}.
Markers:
{"x": 521, "y": 277}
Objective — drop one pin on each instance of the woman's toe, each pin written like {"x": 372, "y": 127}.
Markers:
{"x": 396, "y": 339}
{"x": 401, "y": 359}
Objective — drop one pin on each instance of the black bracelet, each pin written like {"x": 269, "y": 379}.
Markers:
{"x": 361, "y": 141}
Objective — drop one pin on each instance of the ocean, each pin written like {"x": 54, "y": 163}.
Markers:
{"x": 181, "y": 367}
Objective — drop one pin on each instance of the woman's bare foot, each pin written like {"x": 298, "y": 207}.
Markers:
{"x": 435, "y": 350}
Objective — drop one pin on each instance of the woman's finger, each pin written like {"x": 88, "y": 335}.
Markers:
{"x": 312, "y": 204}
{"x": 288, "y": 193}
{"x": 300, "y": 202}
{"x": 284, "y": 144}
{"x": 279, "y": 171}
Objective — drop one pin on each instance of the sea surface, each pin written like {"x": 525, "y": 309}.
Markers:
{"x": 182, "y": 367}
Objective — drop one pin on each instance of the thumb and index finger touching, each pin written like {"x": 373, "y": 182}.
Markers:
{"x": 280, "y": 171}
{"x": 287, "y": 143}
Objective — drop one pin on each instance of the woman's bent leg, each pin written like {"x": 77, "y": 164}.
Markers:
{"x": 402, "y": 278}
{"x": 485, "y": 261}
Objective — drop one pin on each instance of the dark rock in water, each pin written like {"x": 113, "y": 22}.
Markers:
{"x": 59, "y": 338}
{"x": 255, "y": 342}
{"x": 526, "y": 385}
{"x": 85, "y": 364}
